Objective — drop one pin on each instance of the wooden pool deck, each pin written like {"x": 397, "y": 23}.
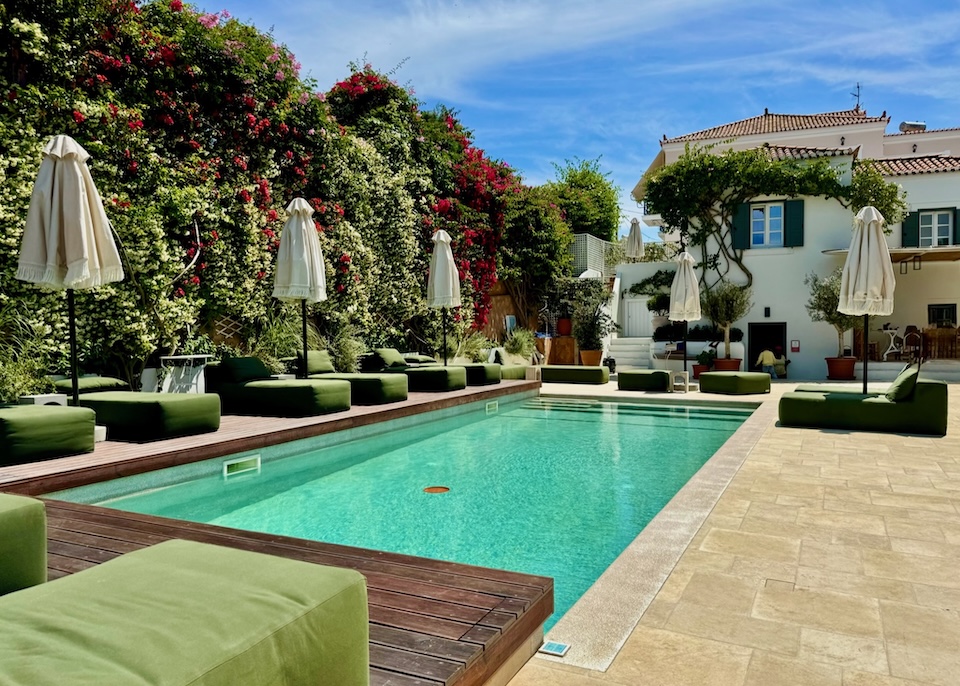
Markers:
{"x": 431, "y": 622}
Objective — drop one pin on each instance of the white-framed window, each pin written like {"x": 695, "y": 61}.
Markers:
{"x": 766, "y": 225}
{"x": 936, "y": 228}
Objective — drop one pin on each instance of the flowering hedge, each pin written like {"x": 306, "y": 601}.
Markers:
{"x": 200, "y": 131}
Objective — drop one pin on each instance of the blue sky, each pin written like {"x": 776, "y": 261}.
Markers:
{"x": 543, "y": 81}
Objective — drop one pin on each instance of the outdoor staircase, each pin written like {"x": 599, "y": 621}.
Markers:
{"x": 631, "y": 353}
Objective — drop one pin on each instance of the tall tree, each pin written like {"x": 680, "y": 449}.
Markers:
{"x": 588, "y": 198}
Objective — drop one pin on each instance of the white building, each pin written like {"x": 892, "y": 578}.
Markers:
{"x": 790, "y": 238}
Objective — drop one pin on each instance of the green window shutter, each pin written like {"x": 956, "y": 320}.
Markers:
{"x": 741, "y": 227}
{"x": 910, "y": 230}
{"x": 956, "y": 226}
{"x": 793, "y": 223}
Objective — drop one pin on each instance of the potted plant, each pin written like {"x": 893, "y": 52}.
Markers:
{"x": 724, "y": 304}
{"x": 659, "y": 306}
{"x": 705, "y": 360}
{"x": 591, "y": 322}
{"x": 822, "y": 307}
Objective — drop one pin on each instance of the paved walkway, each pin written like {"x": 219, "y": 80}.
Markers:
{"x": 823, "y": 558}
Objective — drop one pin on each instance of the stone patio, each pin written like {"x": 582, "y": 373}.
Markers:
{"x": 825, "y": 558}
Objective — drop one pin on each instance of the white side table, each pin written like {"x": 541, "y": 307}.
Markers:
{"x": 679, "y": 381}
{"x": 44, "y": 399}
{"x": 183, "y": 373}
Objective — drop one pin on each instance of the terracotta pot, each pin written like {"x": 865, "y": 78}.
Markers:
{"x": 727, "y": 364}
{"x": 699, "y": 369}
{"x": 841, "y": 368}
{"x": 564, "y": 327}
{"x": 590, "y": 358}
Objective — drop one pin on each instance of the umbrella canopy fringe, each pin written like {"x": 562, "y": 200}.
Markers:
{"x": 41, "y": 274}
{"x": 309, "y": 294}
{"x": 862, "y": 306}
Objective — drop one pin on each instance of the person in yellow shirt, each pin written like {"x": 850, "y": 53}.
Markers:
{"x": 766, "y": 362}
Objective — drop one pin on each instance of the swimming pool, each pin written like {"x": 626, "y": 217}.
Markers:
{"x": 544, "y": 486}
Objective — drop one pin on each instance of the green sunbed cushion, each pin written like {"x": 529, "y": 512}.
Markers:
{"x": 285, "y": 397}
{"x": 131, "y": 416}
{"x": 389, "y": 357}
{"x": 480, "y": 374}
{"x": 643, "y": 380}
{"x": 371, "y": 389}
{"x": 30, "y": 433}
{"x": 734, "y": 383}
{"x": 23, "y": 543}
{"x": 91, "y": 384}
{"x": 433, "y": 377}
{"x": 513, "y": 372}
{"x": 416, "y": 358}
{"x": 568, "y": 373}
{"x": 183, "y": 613}
{"x": 902, "y": 387}
{"x": 318, "y": 362}
{"x": 241, "y": 369}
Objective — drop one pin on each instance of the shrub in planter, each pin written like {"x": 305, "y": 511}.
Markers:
{"x": 724, "y": 304}
{"x": 520, "y": 342}
{"x": 659, "y": 304}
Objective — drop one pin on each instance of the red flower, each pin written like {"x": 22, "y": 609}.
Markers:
{"x": 166, "y": 119}
{"x": 132, "y": 166}
{"x": 176, "y": 5}
{"x": 135, "y": 125}
{"x": 341, "y": 288}
{"x": 272, "y": 216}
{"x": 78, "y": 117}
{"x": 244, "y": 195}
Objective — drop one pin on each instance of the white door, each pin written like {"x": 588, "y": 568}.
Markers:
{"x": 637, "y": 317}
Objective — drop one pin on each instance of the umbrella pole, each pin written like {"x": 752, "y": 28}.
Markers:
{"x": 303, "y": 316}
{"x": 443, "y": 318}
{"x": 685, "y": 325}
{"x": 72, "y": 318}
{"x": 866, "y": 347}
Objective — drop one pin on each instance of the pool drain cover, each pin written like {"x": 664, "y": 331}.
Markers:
{"x": 436, "y": 489}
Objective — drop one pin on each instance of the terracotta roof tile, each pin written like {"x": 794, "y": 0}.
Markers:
{"x": 923, "y": 164}
{"x": 789, "y": 152}
{"x": 774, "y": 123}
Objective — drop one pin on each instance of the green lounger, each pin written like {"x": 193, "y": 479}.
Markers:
{"x": 365, "y": 389}
{"x": 23, "y": 543}
{"x": 482, "y": 374}
{"x": 426, "y": 377}
{"x": 911, "y": 405}
{"x": 131, "y": 416}
{"x": 513, "y": 372}
{"x": 91, "y": 384}
{"x": 182, "y": 613}
{"x": 30, "y": 433}
{"x": 245, "y": 388}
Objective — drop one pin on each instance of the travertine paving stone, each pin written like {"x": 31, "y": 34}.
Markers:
{"x": 830, "y": 559}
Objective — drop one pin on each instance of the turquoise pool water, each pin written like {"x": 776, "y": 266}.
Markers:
{"x": 543, "y": 486}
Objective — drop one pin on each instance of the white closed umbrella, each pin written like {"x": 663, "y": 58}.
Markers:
{"x": 684, "y": 297}
{"x": 867, "y": 282}
{"x": 67, "y": 241}
{"x": 443, "y": 284}
{"x": 634, "y": 244}
{"x": 300, "y": 274}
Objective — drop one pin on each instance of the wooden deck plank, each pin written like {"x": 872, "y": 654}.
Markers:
{"x": 433, "y": 623}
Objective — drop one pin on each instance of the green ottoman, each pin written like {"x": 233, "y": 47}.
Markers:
{"x": 285, "y": 397}
{"x": 735, "y": 383}
{"x": 482, "y": 374}
{"x": 183, "y": 613}
{"x": 569, "y": 373}
{"x": 432, "y": 377}
{"x": 131, "y": 416}
{"x": 371, "y": 389}
{"x": 513, "y": 372}
{"x": 23, "y": 543}
{"x": 29, "y": 433}
{"x": 644, "y": 380}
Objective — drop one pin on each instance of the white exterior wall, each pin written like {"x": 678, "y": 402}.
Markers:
{"x": 928, "y": 143}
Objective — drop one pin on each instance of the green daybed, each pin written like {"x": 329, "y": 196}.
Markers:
{"x": 175, "y": 614}
{"x": 911, "y": 405}
{"x": 735, "y": 383}
{"x": 245, "y": 387}
{"x": 29, "y": 433}
{"x": 365, "y": 389}
{"x": 644, "y": 380}
{"x": 426, "y": 377}
{"x": 569, "y": 373}
{"x": 131, "y": 416}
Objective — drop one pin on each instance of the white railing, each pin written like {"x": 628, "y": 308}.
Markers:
{"x": 589, "y": 252}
